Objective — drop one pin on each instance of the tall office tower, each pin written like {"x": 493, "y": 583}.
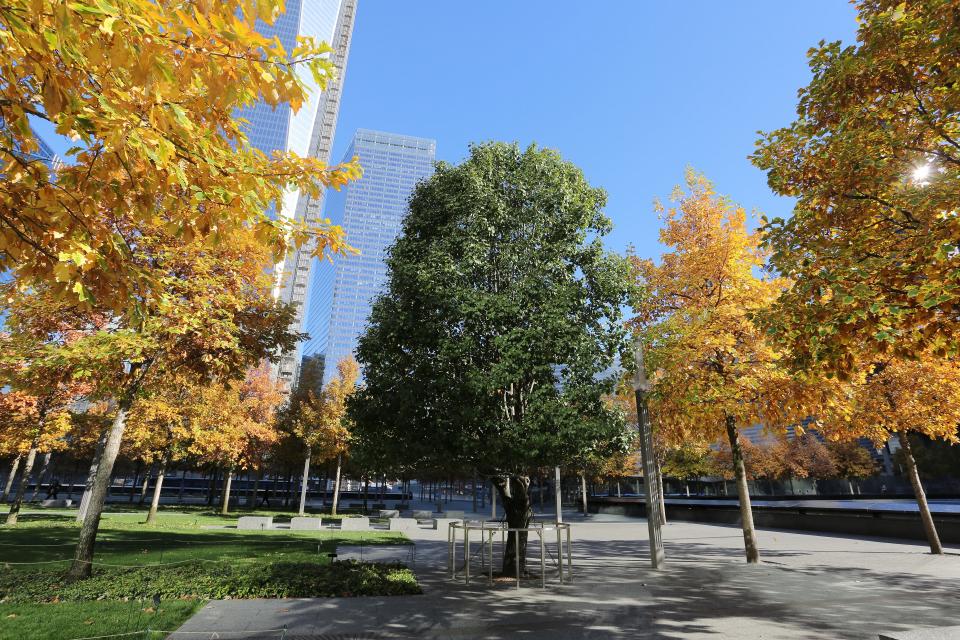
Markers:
{"x": 309, "y": 132}
{"x": 371, "y": 212}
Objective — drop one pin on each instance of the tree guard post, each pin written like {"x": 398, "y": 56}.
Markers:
{"x": 641, "y": 387}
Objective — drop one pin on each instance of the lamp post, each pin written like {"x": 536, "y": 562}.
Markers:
{"x": 641, "y": 388}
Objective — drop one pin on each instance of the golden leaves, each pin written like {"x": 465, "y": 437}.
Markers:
{"x": 150, "y": 91}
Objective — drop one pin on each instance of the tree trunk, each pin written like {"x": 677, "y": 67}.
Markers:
{"x": 92, "y": 476}
{"x": 225, "y": 504}
{"x": 336, "y": 487}
{"x": 518, "y": 511}
{"x": 304, "y": 483}
{"x": 925, "y": 517}
{"x": 557, "y": 493}
{"x": 743, "y": 493}
{"x": 40, "y": 476}
{"x": 83, "y": 559}
{"x": 583, "y": 493}
{"x": 144, "y": 486}
{"x": 366, "y": 491}
{"x": 183, "y": 482}
{"x": 22, "y": 487}
{"x": 663, "y": 504}
{"x": 136, "y": 477}
{"x": 157, "y": 488}
{"x": 13, "y": 474}
{"x": 252, "y": 498}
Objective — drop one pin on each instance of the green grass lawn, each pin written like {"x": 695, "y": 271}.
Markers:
{"x": 178, "y": 561}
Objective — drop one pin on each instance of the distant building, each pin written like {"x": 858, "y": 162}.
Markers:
{"x": 308, "y": 132}
{"x": 371, "y": 211}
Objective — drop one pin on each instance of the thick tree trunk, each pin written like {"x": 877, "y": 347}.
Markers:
{"x": 92, "y": 476}
{"x": 225, "y": 504}
{"x": 40, "y": 476}
{"x": 157, "y": 488}
{"x": 926, "y": 518}
{"x": 516, "y": 505}
{"x": 583, "y": 492}
{"x": 10, "y": 478}
{"x": 83, "y": 558}
{"x": 743, "y": 493}
{"x": 336, "y": 488}
{"x": 304, "y": 483}
{"x": 22, "y": 487}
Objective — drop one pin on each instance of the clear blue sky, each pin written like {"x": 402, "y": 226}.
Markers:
{"x": 631, "y": 91}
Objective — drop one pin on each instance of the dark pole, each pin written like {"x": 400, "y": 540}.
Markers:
{"x": 641, "y": 389}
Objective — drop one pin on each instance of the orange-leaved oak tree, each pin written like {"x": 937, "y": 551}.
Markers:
{"x": 896, "y": 396}
{"x": 873, "y": 162}
{"x": 713, "y": 371}
{"x": 151, "y": 93}
{"x": 213, "y": 317}
{"x": 322, "y": 422}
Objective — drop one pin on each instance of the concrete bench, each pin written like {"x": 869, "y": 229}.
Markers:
{"x": 255, "y": 522}
{"x": 403, "y": 524}
{"x": 302, "y": 523}
{"x": 389, "y": 513}
{"x": 355, "y": 524}
{"x": 453, "y": 514}
{"x": 56, "y": 502}
{"x": 423, "y": 515}
{"x": 443, "y": 524}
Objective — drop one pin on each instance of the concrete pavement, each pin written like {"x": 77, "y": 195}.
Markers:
{"x": 809, "y": 586}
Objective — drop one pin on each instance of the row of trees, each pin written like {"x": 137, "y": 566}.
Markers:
{"x": 138, "y": 274}
{"x": 493, "y": 348}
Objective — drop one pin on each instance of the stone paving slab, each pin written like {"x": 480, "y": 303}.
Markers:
{"x": 809, "y": 587}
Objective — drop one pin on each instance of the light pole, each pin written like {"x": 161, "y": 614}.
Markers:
{"x": 641, "y": 388}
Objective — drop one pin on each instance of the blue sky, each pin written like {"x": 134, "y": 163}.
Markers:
{"x": 632, "y": 91}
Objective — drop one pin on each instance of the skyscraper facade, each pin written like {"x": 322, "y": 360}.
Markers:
{"x": 308, "y": 132}
{"x": 371, "y": 211}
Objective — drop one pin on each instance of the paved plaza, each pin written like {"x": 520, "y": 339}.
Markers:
{"x": 809, "y": 586}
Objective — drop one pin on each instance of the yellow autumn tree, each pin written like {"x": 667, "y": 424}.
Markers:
{"x": 322, "y": 422}
{"x": 895, "y": 397}
{"x": 150, "y": 92}
{"x": 713, "y": 371}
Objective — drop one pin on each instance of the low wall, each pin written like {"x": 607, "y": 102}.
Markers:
{"x": 865, "y": 522}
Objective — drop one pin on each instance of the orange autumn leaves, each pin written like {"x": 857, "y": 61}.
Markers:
{"x": 703, "y": 318}
{"x": 149, "y": 92}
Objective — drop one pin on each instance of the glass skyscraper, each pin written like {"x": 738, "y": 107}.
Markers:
{"x": 308, "y": 132}
{"x": 371, "y": 211}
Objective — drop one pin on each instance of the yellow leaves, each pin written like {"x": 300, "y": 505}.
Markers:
{"x": 150, "y": 90}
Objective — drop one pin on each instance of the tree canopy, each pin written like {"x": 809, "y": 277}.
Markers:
{"x": 149, "y": 92}
{"x": 873, "y": 161}
{"x": 500, "y": 319}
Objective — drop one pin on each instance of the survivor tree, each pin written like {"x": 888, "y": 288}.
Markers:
{"x": 491, "y": 347}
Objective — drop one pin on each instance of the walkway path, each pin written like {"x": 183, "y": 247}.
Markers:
{"x": 809, "y": 587}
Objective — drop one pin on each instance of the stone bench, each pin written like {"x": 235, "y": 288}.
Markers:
{"x": 355, "y": 524}
{"x": 389, "y": 513}
{"x": 425, "y": 514}
{"x": 403, "y": 524}
{"x": 56, "y": 502}
{"x": 443, "y": 524}
{"x": 457, "y": 515}
{"x": 303, "y": 523}
{"x": 255, "y": 522}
